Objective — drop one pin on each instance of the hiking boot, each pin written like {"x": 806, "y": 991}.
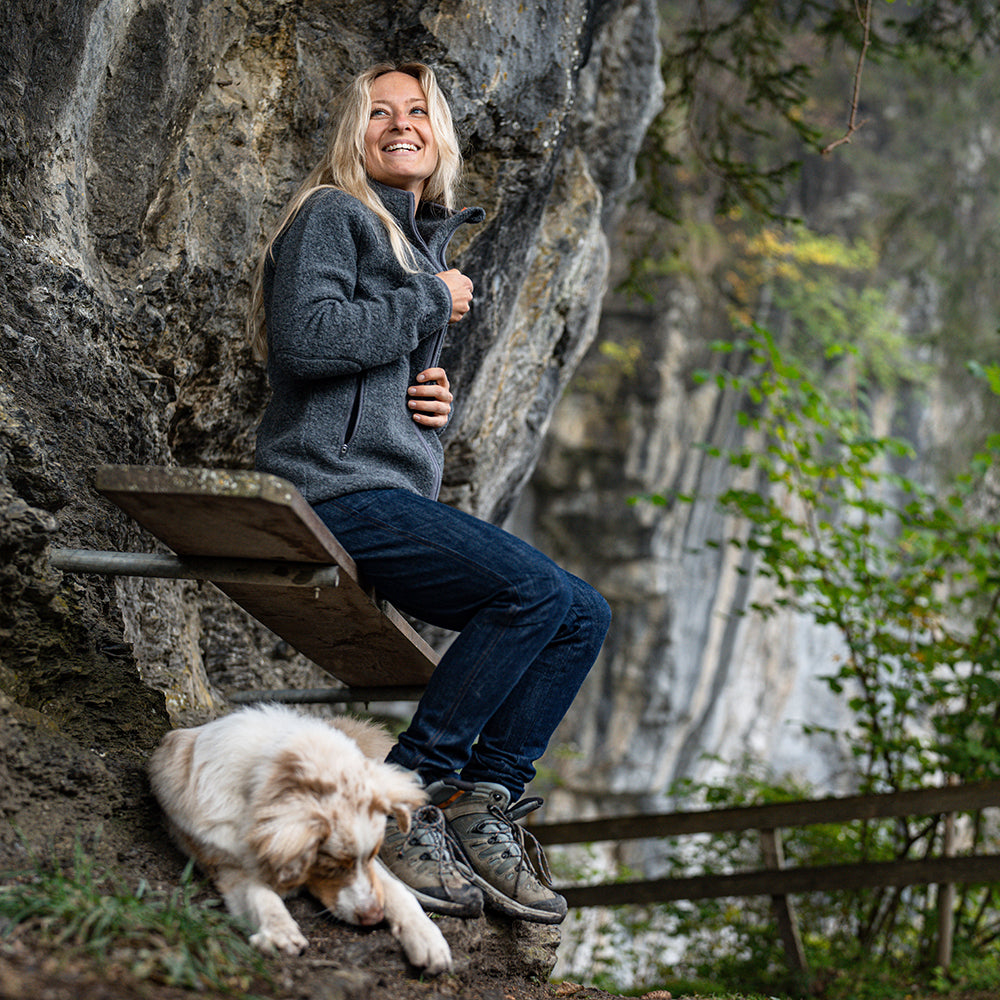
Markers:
{"x": 483, "y": 823}
{"x": 423, "y": 861}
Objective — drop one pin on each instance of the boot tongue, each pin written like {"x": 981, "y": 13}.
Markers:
{"x": 521, "y": 809}
{"x": 428, "y": 829}
{"x": 447, "y": 790}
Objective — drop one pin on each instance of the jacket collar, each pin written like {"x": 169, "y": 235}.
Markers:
{"x": 403, "y": 205}
{"x": 428, "y": 225}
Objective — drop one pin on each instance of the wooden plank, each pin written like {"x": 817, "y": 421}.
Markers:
{"x": 825, "y": 878}
{"x": 214, "y": 512}
{"x": 917, "y": 802}
{"x": 251, "y": 515}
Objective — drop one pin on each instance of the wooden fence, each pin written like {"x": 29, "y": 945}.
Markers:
{"x": 774, "y": 879}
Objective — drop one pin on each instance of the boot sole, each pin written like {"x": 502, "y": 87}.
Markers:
{"x": 496, "y": 900}
{"x": 447, "y": 907}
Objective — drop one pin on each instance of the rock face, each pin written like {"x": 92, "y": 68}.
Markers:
{"x": 146, "y": 149}
{"x": 684, "y": 674}
{"x": 686, "y": 684}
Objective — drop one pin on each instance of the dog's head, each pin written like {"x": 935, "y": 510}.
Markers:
{"x": 319, "y": 821}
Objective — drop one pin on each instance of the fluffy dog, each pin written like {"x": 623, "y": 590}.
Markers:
{"x": 268, "y": 800}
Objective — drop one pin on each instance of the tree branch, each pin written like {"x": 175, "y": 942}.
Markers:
{"x": 865, "y": 17}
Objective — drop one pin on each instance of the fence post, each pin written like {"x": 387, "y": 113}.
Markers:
{"x": 946, "y": 900}
{"x": 784, "y": 910}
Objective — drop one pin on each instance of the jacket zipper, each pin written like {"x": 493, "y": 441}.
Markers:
{"x": 438, "y": 343}
{"x": 354, "y": 418}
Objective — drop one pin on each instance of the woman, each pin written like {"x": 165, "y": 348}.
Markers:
{"x": 352, "y": 300}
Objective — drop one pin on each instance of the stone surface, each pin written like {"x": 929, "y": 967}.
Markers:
{"x": 146, "y": 149}
{"x": 685, "y": 676}
{"x": 686, "y": 683}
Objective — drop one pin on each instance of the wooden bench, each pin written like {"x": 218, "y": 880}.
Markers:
{"x": 255, "y": 537}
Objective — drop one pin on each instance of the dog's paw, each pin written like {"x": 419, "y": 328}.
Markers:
{"x": 426, "y": 947}
{"x": 286, "y": 938}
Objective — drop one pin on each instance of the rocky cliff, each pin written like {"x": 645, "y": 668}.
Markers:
{"x": 146, "y": 148}
{"x": 687, "y": 675}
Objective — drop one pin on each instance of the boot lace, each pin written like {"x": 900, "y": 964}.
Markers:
{"x": 506, "y": 831}
{"x": 428, "y": 831}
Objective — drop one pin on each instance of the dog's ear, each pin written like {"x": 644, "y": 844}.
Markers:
{"x": 286, "y": 842}
{"x": 397, "y": 792}
{"x": 287, "y": 825}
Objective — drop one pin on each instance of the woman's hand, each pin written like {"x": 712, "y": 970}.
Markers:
{"x": 460, "y": 287}
{"x": 430, "y": 400}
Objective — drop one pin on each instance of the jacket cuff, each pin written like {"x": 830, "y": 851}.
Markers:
{"x": 441, "y": 299}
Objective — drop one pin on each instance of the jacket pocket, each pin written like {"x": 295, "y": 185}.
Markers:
{"x": 354, "y": 416}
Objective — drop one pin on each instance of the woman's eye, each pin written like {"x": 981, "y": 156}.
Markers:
{"x": 383, "y": 112}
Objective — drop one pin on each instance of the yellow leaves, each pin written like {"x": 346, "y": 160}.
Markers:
{"x": 791, "y": 250}
{"x": 626, "y": 356}
{"x": 823, "y": 284}
{"x": 769, "y": 242}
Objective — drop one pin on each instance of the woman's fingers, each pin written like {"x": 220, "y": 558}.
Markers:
{"x": 430, "y": 400}
{"x": 436, "y": 375}
{"x": 460, "y": 286}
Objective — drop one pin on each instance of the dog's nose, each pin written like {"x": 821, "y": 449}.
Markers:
{"x": 368, "y": 916}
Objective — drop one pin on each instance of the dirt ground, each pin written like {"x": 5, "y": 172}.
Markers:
{"x": 22, "y": 978}
{"x": 59, "y": 794}
{"x": 342, "y": 963}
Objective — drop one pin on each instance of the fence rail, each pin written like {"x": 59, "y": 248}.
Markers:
{"x": 775, "y": 880}
{"x": 789, "y": 881}
{"x": 803, "y": 812}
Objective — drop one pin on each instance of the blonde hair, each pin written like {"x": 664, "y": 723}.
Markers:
{"x": 343, "y": 167}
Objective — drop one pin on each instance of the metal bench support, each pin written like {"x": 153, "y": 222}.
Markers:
{"x": 262, "y": 572}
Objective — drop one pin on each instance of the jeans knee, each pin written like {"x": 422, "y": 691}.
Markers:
{"x": 593, "y": 610}
{"x": 584, "y": 613}
{"x": 548, "y": 588}
{"x": 604, "y": 613}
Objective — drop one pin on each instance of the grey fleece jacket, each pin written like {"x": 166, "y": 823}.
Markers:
{"x": 348, "y": 331}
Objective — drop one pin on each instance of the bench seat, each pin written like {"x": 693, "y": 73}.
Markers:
{"x": 218, "y": 514}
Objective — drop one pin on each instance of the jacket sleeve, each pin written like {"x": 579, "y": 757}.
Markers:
{"x": 340, "y": 302}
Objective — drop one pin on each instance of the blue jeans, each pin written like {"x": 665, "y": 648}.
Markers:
{"x": 528, "y": 632}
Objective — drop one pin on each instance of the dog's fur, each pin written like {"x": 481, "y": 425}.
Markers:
{"x": 268, "y": 800}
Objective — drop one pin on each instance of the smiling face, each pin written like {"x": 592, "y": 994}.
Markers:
{"x": 400, "y": 148}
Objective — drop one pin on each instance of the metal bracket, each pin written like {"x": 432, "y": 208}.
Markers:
{"x": 257, "y": 572}
{"x": 327, "y": 696}
{"x": 253, "y": 572}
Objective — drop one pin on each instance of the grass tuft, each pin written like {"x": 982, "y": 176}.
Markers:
{"x": 166, "y": 937}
